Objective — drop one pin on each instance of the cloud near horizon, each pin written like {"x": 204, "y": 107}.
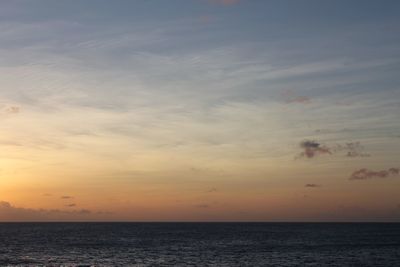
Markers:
{"x": 8, "y": 212}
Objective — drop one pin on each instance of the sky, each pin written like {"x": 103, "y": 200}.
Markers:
{"x": 200, "y": 110}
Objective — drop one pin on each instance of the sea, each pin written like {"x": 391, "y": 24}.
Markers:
{"x": 199, "y": 244}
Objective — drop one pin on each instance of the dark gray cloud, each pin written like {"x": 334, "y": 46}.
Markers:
{"x": 363, "y": 174}
{"x": 312, "y": 149}
{"x": 312, "y": 185}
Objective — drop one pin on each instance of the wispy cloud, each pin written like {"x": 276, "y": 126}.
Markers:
{"x": 12, "y": 110}
{"x": 352, "y": 149}
{"x": 211, "y": 190}
{"x": 67, "y": 197}
{"x": 10, "y": 143}
{"x": 224, "y": 2}
{"x": 290, "y": 97}
{"x": 9, "y": 109}
{"x": 202, "y": 206}
{"x": 299, "y": 99}
{"x": 206, "y": 19}
{"x": 71, "y": 205}
{"x": 363, "y": 174}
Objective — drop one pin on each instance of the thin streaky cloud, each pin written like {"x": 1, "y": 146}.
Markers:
{"x": 224, "y": 2}
{"x": 364, "y": 174}
{"x": 312, "y": 185}
{"x": 66, "y": 197}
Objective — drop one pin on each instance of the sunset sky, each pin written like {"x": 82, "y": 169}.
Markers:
{"x": 200, "y": 110}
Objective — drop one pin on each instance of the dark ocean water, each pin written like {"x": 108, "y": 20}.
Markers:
{"x": 199, "y": 244}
